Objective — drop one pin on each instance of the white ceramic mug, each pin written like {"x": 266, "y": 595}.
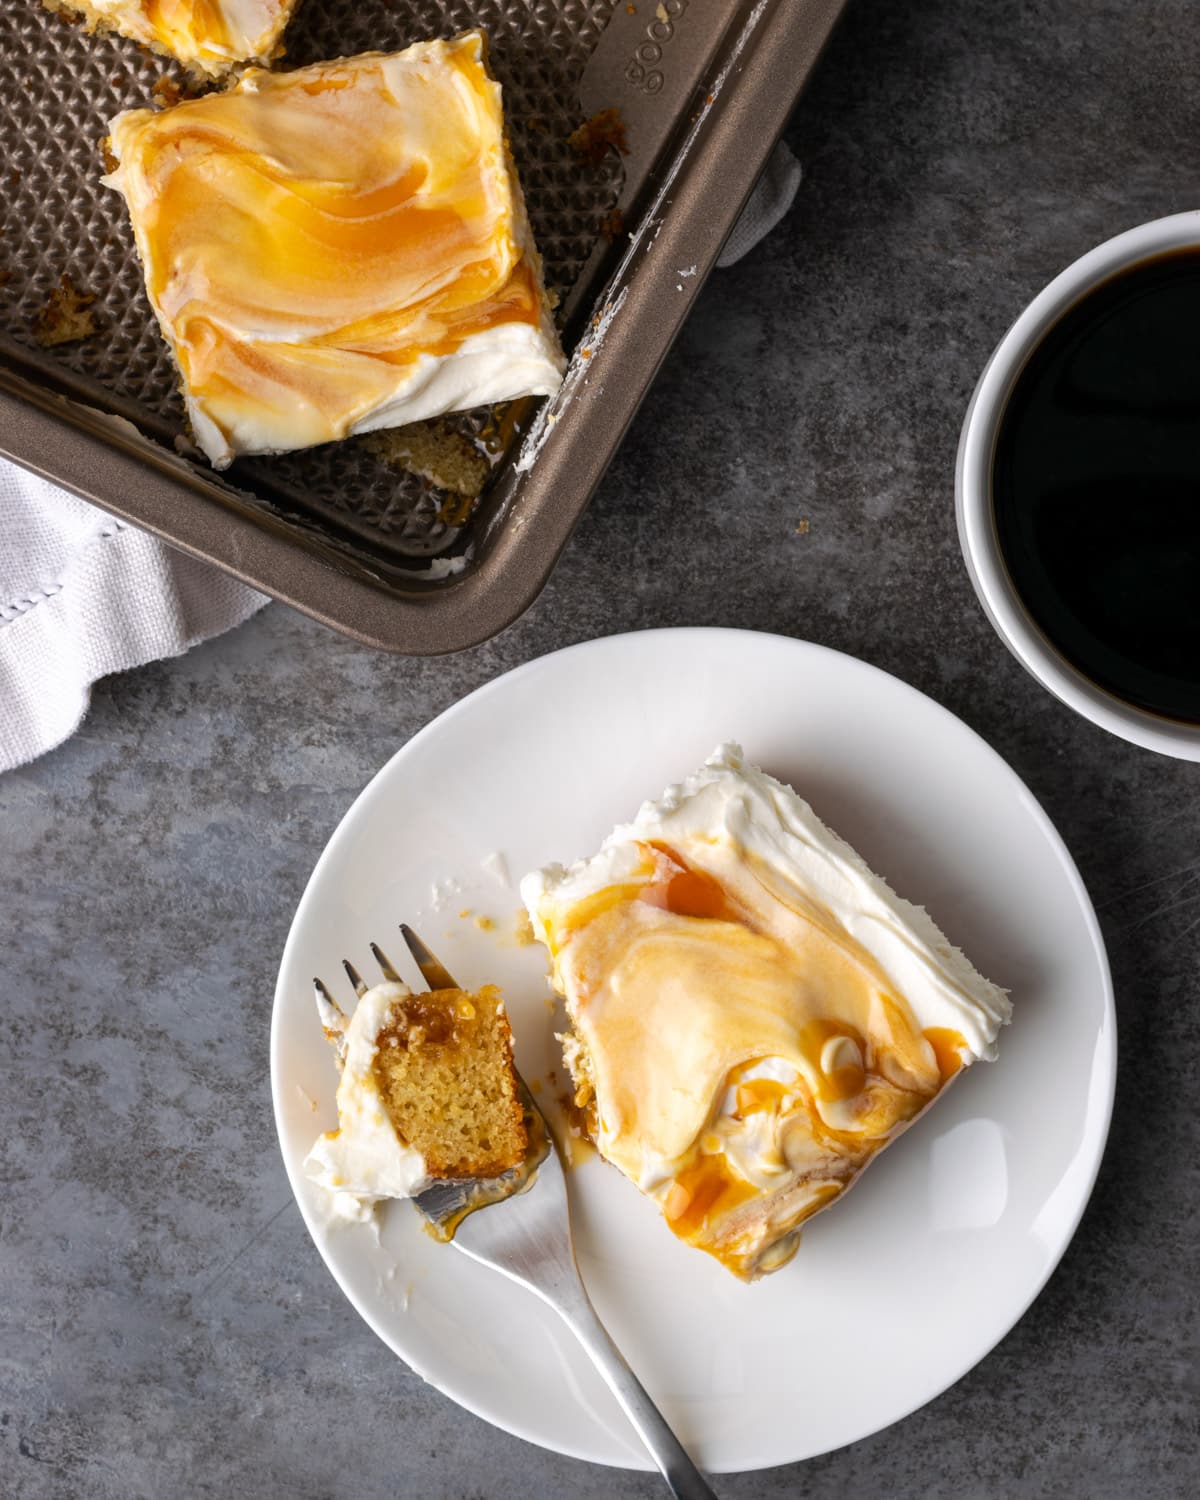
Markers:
{"x": 973, "y": 489}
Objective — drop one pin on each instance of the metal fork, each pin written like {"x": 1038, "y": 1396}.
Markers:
{"x": 525, "y": 1234}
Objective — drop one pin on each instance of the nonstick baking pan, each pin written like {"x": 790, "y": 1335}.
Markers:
{"x": 680, "y": 103}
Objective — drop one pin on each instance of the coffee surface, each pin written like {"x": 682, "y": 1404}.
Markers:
{"x": 1097, "y": 485}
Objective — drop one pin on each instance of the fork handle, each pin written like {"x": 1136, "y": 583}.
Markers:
{"x": 683, "y": 1477}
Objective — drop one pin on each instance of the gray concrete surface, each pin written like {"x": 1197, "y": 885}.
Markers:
{"x": 166, "y": 1328}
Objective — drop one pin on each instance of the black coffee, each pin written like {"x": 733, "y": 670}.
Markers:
{"x": 1097, "y": 485}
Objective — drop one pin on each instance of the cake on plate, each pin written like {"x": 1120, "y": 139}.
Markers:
{"x": 338, "y": 249}
{"x": 428, "y": 1092}
{"x": 753, "y": 1014}
{"x": 209, "y": 36}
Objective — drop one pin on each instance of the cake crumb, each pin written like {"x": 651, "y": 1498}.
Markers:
{"x": 166, "y": 92}
{"x": 485, "y": 924}
{"x": 66, "y": 318}
{"x": 442, "y": 1069}
{"x": 522, "y": 929}
{"x": 612, "y": 226}
{"x": 465, "y": 913}
{"x": 803, "y": 528}
{"x": 595, "y": 138}
{"x": 434, "y": 451}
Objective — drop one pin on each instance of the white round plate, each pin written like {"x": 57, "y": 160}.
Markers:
{"x": 897, "y": 1291}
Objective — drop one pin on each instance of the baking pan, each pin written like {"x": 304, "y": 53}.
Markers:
{"x": 701, "y": 90}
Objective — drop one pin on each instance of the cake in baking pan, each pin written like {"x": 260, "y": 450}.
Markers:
{"x": 338, "y": 249}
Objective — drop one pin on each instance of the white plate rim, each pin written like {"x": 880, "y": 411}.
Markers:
{"x": 597, "y": 643}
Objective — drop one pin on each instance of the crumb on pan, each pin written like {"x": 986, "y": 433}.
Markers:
{"x": 435, "y": 451}
{"x": 67, "y": 317}
{"x": 166, "y": 92}
{"x": 169, "y": 91}
{"x": 612, "y": 225}
{"x": 595, "y": 138}
{"x": 71, "y": 15}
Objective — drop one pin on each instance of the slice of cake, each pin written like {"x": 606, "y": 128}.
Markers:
{"x": 753, "y": 1014}
{"x": 427, "y": 1093}
{"x": 338, "y": 249}
{"x": 210, "y": 36}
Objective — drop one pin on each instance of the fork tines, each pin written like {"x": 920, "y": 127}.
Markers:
{"x": 433, "y": 971}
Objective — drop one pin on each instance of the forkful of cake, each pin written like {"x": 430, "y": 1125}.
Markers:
{"x": 431, "y": 1107}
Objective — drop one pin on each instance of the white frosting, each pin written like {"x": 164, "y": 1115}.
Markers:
{"x": 728, "y": 804}
{"x": 497, "y": 364}
{"x": 364, "y": 1160}
{"x": 752, "y": 1145}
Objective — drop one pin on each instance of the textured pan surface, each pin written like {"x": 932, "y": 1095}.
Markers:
{"x": 63, "y": 86}
{"x": 703, "y": 88}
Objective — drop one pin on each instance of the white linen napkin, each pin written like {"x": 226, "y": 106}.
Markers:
{"x": 774, "y": 193}
{"x": 83, "y": 595}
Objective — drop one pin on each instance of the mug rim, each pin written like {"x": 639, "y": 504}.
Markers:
{"x": 977, "y": 533}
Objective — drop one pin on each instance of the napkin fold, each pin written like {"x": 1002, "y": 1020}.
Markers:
{"x": 774, "y": 193}
{"x": 83, "y": 595}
